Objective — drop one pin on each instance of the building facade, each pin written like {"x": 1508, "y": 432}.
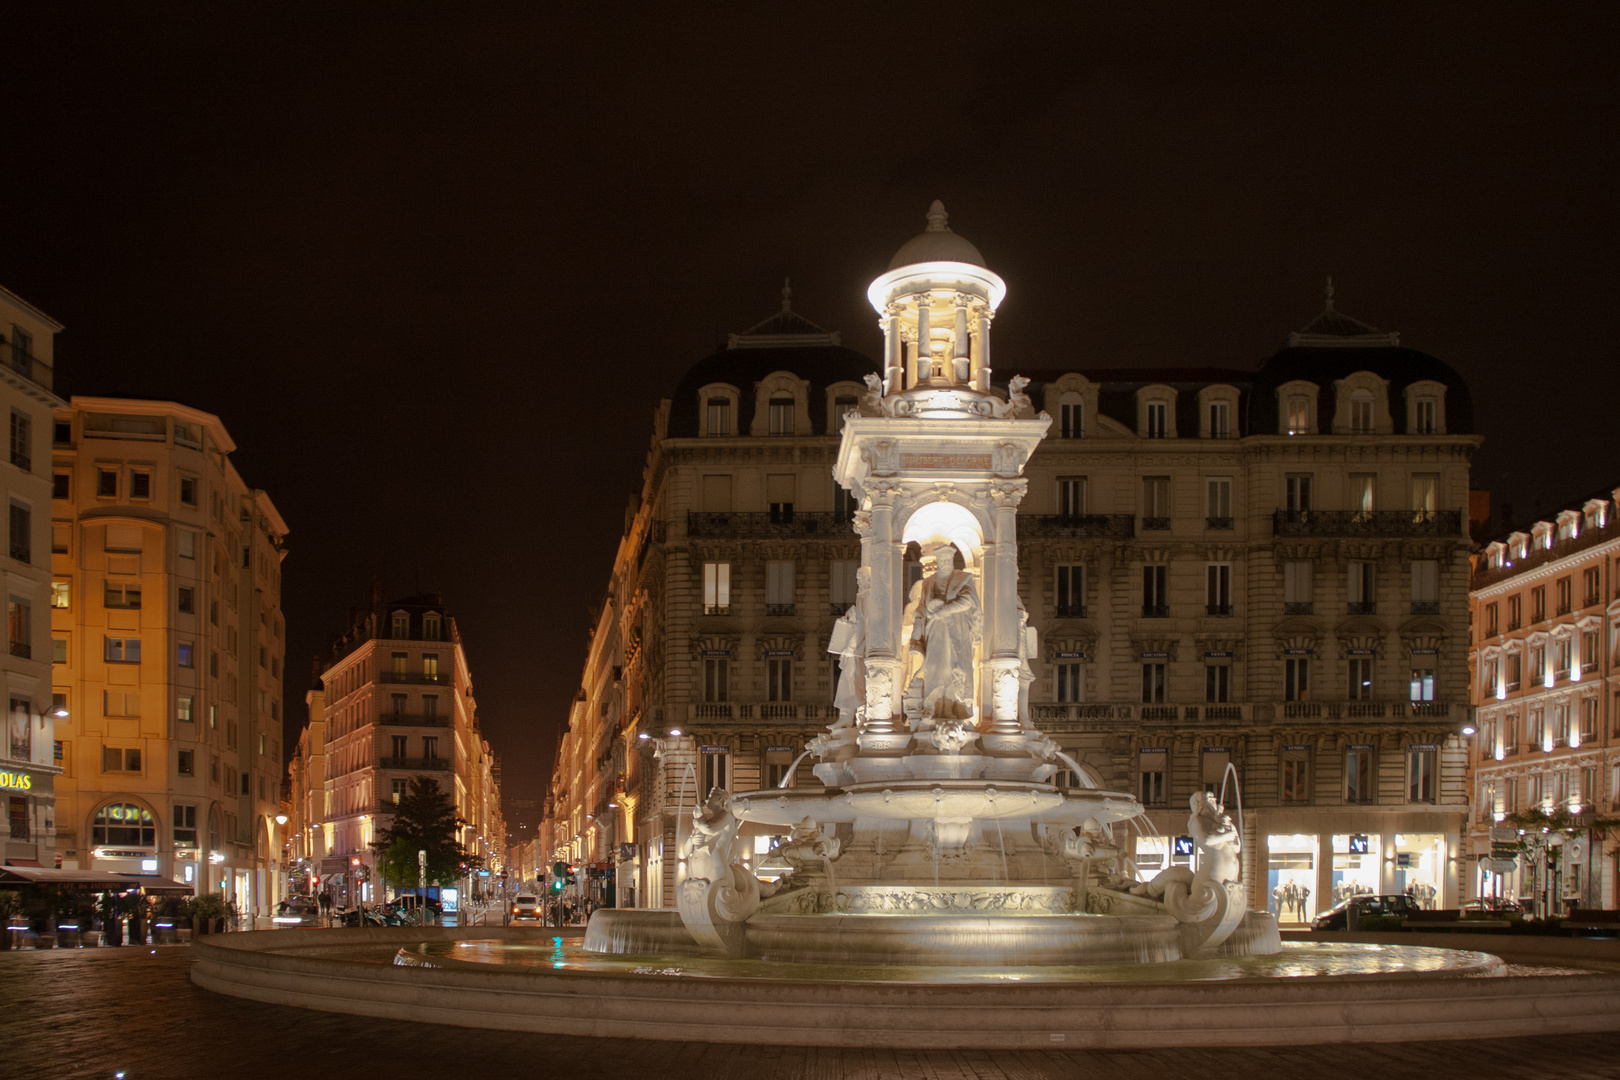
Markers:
{"x": 1263, "y": 571}
{"x": 1546, "y": 610}
{"x": 396, "y": 702}
{"x": 167, "y": 639}
{"x": 29, "y": 759}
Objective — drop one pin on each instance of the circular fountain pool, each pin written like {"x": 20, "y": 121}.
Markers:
{"x": 533, "y": 980}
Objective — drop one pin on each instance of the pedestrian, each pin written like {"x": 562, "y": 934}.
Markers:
{"x": 325, "y": 900}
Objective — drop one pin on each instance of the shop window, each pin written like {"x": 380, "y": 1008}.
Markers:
{"x": 1291, "y": 877}
{"x": 1356, "y": 861}
{"x": 1422, "y": 684}
{"x": 123, "y": 825}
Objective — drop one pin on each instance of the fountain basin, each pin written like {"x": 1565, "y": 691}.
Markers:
{"x": 1306, "y": 994}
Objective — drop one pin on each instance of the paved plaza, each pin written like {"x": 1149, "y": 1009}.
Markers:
{"x": 96, "y": 1012}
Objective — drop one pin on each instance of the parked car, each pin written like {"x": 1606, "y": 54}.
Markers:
{"x": 1337, "y": 917}
{"x": 1487, "y": 905}
{"x": 526, "y": 908}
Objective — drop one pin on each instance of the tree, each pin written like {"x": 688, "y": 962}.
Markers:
{"x": 1541, "y": 838}
{"x": 424, "y": 820}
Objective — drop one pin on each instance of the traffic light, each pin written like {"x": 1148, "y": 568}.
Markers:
{"x": 572, "y": 870}
{"x": 557, "y": 885}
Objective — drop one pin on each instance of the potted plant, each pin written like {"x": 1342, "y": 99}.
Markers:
{"x": 11, "y": 905}
{"x": 208, "y": 912}
{"x": 112, "y": 919}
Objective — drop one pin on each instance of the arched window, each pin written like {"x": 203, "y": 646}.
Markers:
{"x": 124, "y": 825}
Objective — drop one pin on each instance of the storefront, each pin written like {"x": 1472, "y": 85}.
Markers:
{"x": 1291, "y": 885}
{"x": 30, "y": 810}
{"x": 1418, "y": 867}
{"x": 1357, "y": 862}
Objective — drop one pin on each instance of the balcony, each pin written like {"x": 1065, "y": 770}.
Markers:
{"x": 1078, "y": 526}
{"x": 1071, "y": 611}
{"x": 29, "y": 366}
{"x": 1367, "y": 523}
{"x": 22, "y": 649}
{"x": 779, "y": 609}
{"x": 1155, "y": 524}
{"x": 764, "y": 710}
{"x": 1219, "y": 611}
{"x": 1219, "y": 523}
{"x": 1155, "y": 611}
{"x": 1305, "y": 608}
{"x": 410, "y": 764}
{"x": 733, "y": 525}
{"x": 434, "y": 679}
{"x": 717, "y": 609}
{"x": 1361, "y": 607}
{"x": 413, "y": 720}
{"x": 1427, "y": 607}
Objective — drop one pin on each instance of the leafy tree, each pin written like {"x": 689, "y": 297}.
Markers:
{"x": 424, "y": 820}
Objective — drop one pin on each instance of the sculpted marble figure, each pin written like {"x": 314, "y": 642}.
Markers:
{"x": 946, "y": 622}
{"x": 848, "y": 643}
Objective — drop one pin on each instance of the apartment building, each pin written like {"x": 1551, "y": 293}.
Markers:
{"x": 167, "y": 641}
{"x": 29, "y": 761}
{"x": 1546, "y": 621}
{"x": 397, "y": 703}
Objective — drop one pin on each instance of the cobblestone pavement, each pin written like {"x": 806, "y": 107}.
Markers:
{"x": 94, "y": 1012}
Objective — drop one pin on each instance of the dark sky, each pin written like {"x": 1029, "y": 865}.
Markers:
{"x": 434, "y": 272}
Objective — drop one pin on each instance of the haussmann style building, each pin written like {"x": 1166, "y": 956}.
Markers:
{"x": 1259, "y": 570}
{"x": 1546, "y": 605}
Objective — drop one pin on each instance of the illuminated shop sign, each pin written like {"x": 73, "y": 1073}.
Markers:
{"x": 714, "y": 749}
{"x": 1184, "y": 845}
{"x": 1358, "y": 843}
{"x": 16, "y": 781}
{"x": 1071, "y": 656}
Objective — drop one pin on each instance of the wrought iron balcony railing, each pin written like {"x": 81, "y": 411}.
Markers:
{"x": 1072, "y": 526}
{"x": 1367, "y": 523}
{"x": 1218, "y": 523}
{"x": 1220, "y": 611}
{"x": 1299, "y": 608}
{"x": 1155, "y": 524}
{"x": 1071, "y": 611}
{"x": 415, "y": 764}
{"x": 1361, "y": 607}
{"x": 1155, "y": 611}
{"x": 434, "y": 679}
{"x": 734, "y": 524}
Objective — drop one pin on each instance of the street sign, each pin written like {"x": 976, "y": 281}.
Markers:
{"x": 1500, "y": 866}
{"x": 1504, "y": 835}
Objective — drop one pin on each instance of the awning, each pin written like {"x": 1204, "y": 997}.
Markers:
{"x": 90, "y": 880}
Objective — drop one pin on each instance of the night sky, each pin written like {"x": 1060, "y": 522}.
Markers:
{"x": 434, "y": 272}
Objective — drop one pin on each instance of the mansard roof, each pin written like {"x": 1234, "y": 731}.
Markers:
{"x": 820, "y": 365}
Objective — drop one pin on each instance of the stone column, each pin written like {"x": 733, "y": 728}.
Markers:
{"x": 924, "y": 353}
{"x": 881, "y": 551}
{"x": 981, "y": 350}
{"x": 894, "y": 348}
{"x": 1001, "y": 620}
{"x": 961, "y": 363}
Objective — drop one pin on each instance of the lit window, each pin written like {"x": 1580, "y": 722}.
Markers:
{"x": 61, "y": 594}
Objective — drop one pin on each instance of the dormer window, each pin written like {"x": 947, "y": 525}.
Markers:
{"x": 781, "y": 416}
{"x": 401, "y": 626}
{"x": 1220, "y": 420}
{"x": 719, "y": 416}
{"x": 841, "y": 406}
{"x": 1299, "y": 416}
{"x": 430, "y": 627}
{"x": 1158, "y": 419}
{"x": 1426, "y": 413}
{"x": 1361, "y": 413}
{"x": 1073, "y": 416}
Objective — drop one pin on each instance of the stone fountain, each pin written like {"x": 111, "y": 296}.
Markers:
{"x": 940, "y": 836}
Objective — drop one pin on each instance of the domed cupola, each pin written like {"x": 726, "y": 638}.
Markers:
{"x": 936, "y": 303}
